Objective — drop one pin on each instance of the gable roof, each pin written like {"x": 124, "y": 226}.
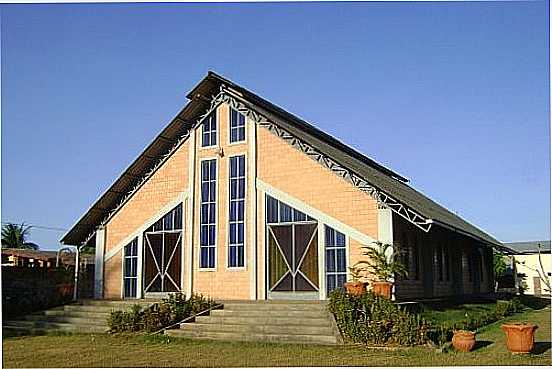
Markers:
{"x": 528, "y": 247}
{"x": 380, "y": 177}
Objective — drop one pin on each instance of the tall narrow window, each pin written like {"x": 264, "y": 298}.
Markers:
{"x": 438, "y": 261}
{"x": 236, "y": 212}
{"x": 237, "y": 126}
{"x": 209, "y": 135}
{"x": 131, "y": 269}
{"x": 446, "y": 256}
{"x": 416, "y": 257}
{"x": 208, "y": 213}
{"x": 470, "y": 266}
{"x": 336, "y": 265}
{"x": 441, "y": 264}
{"x": 405, "y": 254}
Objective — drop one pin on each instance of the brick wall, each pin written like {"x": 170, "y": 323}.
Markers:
{"x": 224, "y": 283}
{"x": 164, "y": 186}
{"x": 284, "y": 167}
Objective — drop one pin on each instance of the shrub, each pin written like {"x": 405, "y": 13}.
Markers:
{"x": 372, "y": 319}
{"x": 158, "y": 315}
{"x": 125, "y": 321}
{"x": 442, "y": 333}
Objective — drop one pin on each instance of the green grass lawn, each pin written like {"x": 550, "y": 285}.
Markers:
{"x": 456, "y": 313}
{"x": 139, "y": 351}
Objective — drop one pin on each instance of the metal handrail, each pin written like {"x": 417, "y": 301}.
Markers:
{"x": 188, "y": 318}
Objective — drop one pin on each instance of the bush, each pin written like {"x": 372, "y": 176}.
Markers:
{"x": 169, "y": 311}
{"x": 125, "y": 321}
{"x": 442, "y": 333}
{"x": 372, "y": 319}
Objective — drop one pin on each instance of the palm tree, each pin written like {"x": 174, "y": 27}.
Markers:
{"x": 15, "y": 236}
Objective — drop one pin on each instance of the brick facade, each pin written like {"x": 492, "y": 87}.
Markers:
{"x": 290, "y": 171}
{"x": 164, "y": 186}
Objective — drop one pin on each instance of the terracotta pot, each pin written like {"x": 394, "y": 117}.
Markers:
{"x": 355, "y": 288}
{"x": 382, "y": 289}
{"x": 520, "y": 337}
{"x": 463, "y": 341}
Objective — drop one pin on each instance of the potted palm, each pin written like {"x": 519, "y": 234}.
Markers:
{"x": 383, "y": 265}
{"x": 356, "y": 287}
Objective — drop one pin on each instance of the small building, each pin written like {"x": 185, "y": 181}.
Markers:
{"x": 237, "y": 198}
{"x": 533, "y": 265}
{"x": 28, "y": 258}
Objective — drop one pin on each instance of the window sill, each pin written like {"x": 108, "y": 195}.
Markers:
{"x": 207, "y": 269}
{"x": 236, "y": 269}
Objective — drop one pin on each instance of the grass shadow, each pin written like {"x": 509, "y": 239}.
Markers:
{"x": 481, "y": 344}
{"x": 541, "y": 347}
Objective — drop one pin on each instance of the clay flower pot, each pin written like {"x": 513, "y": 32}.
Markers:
{"x": 463, "y": 341}
{"x": 355, "y": 288}
{"x": 382, "y": 289}
{"x": 520, "y": 337}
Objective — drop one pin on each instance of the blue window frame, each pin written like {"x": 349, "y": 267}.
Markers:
{"x": 279, "y": 212}
{"x": 237, "y": 126}
{"x": 208, "y": 213}
{"x": 336, "y": 259}
{"x": 209, "y": 135}
{"x": 236, "y": 212}
{"x": 130, "y": 279}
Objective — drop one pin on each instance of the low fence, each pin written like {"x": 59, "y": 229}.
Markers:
{"x": 25, "y": 290}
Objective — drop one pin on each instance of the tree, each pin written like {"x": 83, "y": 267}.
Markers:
{"x": 14, "y": 236}
{"x": 499, "y": 265}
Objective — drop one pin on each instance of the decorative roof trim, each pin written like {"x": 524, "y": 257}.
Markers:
{"x": 362, "y": 184}
{"x": 143, "y": 179}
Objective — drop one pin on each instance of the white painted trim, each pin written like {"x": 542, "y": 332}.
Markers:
{"x": 191, "y": 210}
{"x": 321, "y": 261}
{"x": 251, "y": 130}
{"x": 315, "y": 213}
{"x": 168, "y": 207}
{"x": 183, "y": 238}
{"x": 385, "y": 234}
{"x": 140, "y": 283}
{"x": 262, "y": 283}
{"x": 245, "y": 216}
{"x": 228, "y": 143}
{"x": 347, "y": 255}
{"x": 217, "y": 203}
{"x": 99, "y": 263}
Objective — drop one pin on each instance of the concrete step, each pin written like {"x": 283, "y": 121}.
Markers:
{"x": 24, "y": 325}
{"x": 76, "y": 314}
{"x": 226, "y": 312}
{"x": 246, "y": 306}
{"x": 93, "y": 308}
{"x": 117, "y": 303}
{"x": 267, "y": 319}
{"x": 266, "y": 329}
{"x": 68, "y": 319}
{"x": 259, "y": 337}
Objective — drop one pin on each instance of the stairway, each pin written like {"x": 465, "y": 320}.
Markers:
{"x": 266, "y": 321}
{"x": 87, "y": 316}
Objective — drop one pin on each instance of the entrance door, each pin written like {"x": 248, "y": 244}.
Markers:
{"x": 293, "y": 260}
{"x": 162, "y": 256}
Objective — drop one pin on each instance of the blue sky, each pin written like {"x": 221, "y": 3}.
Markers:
{"x": 454, "y": 96}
